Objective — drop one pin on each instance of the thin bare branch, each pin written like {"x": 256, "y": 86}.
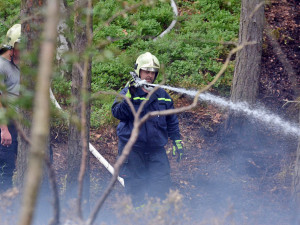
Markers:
{"x": 84, "y": 142}
{"x": 138, "y": 122}
{"x": 136, "y": 127}
{"x": 84, "y": 93}
{"x": 56, "y": 206}
{"x": 117, "y": 167}
{"x": 225, "y": 65}
{"x": 219, "y": 74}
{"x": 297, "y": 102}
{"x": 257, "y": 7}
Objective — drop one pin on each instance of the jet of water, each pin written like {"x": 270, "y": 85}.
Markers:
{"x": 273, "y": 121}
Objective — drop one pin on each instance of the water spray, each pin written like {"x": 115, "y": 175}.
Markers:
{"x": 274, "y": 121}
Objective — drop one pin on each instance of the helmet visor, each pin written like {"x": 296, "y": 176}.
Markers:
{"x": 151, "y": 69}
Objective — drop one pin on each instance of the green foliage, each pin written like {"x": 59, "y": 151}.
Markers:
{"x": 190, "y": 55}
{"x": 149, "y": 27}
{"x": 62, "y": 89}
{"x": 101, "y": 111}
{"x": 9, "y": 15}
{"x": 110, "y": 75}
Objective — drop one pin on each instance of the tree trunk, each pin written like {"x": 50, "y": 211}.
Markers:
{"x": 76, "y": 142}
{"x": 248, "y": 60}
{"x": 31, "y": 32}
{"x": 63, "y": 42}
{"x": 247, "y": 67}
{"x": 41, "y": 113}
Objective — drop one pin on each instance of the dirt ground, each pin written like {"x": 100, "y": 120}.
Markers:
{"x": 241, "y": 179}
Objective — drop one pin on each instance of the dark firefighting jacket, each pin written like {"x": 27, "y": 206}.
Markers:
{"x": 155, "y": 131}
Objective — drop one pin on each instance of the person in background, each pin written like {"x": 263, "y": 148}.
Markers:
{"x": 146, "y": 171}
{"x": 9, "y": 91}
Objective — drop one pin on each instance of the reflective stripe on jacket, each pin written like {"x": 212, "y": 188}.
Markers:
{"x": 156, "y": 130}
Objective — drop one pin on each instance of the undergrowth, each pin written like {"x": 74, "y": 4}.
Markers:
{"x": 155, "y": 211}
{"x": 190, "y": 55}
{"x": 9, "y": 15}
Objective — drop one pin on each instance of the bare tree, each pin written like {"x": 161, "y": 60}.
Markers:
{"x": 64, "y": 44}
{"x": 81, "y": 85}
{"x": 31, "y": 32}
{"x": 40, "y": 125}
{"x": 84, "y": 116}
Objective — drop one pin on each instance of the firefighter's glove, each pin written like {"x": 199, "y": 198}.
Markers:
{"x": 148, "y": 87}
{"x": 178, "y": 149}
{"x": 135, "y": 81}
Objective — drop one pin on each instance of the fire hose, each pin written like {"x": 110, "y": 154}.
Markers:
{"x": 139, "y": 83}
{"x": 175, "y": 11}
{"x": 92, "y": 149}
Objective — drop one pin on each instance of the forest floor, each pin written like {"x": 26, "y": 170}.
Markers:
{"x": 244, "y": 178}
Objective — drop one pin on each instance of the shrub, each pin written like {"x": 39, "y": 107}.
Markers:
{"x": 9, "y": 14}
{"x": 190, "y": 55}
{"x": 101, "y": 111}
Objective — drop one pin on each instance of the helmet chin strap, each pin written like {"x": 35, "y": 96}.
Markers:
{"x": 12, "y": 57}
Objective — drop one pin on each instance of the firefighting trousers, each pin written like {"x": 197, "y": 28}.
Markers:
{"x": 8, "y": 157}
{"x": 146, "y": 173}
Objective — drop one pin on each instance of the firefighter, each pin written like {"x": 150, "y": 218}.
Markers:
{"x": 9, "y": 91}
{"x": 146, "y": 171}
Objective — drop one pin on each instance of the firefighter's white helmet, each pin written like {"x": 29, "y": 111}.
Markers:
{"x": 147, "y": 62}
{"x": 13, "y": 36}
